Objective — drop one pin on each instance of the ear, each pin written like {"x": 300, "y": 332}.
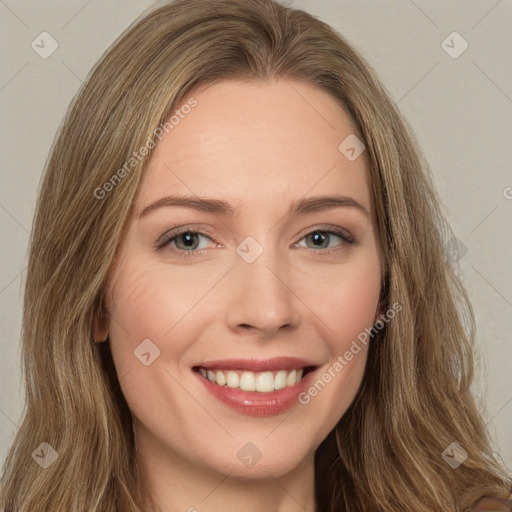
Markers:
{"x": 101, "y": 327}
{"x": 380, "y": 310}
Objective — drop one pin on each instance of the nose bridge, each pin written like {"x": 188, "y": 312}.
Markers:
{"x": 261, "y": 294}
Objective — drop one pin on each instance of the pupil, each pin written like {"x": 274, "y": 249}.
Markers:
{"x": 187, "y": 238}
{"x": 319, "y": 237}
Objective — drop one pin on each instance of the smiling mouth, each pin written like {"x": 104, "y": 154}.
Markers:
{"x": 261, "y": 382}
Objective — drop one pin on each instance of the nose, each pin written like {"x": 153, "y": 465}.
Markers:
{"x": 261, "y": 297}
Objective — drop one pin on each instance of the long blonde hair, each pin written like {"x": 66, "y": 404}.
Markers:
{"x": 415, "y": 399}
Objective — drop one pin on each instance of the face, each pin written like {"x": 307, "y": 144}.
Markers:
{"x": 257, "y": 285}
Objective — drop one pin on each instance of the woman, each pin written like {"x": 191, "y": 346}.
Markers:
{"x": 237, "y": 296}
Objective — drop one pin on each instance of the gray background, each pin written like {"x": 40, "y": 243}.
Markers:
{"x": 460, "y": 109}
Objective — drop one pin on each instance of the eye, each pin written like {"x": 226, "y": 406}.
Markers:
{"x": 321, "y": 238}
{"x": 186, "y": 241}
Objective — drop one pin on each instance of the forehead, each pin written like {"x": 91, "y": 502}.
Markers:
{"x": 253, "y": 142}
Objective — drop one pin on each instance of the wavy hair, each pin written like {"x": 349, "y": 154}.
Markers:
{"x": 415, "y": 397}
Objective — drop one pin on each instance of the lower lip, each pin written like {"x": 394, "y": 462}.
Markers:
{"x": 254, "y": 403}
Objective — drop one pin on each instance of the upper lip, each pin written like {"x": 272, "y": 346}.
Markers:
{"x": 258, "y": 365}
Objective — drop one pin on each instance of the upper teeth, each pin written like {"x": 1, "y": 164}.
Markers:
{"x": 263, "y": 382}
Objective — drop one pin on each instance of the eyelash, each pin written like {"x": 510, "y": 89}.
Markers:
{"x": 169, "y": 236}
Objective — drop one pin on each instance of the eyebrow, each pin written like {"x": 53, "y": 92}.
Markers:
{"x": 300, "y": 207}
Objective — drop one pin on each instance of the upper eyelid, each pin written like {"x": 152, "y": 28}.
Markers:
{"x": 174, "y": 232}
{"x": 327, "y": 228}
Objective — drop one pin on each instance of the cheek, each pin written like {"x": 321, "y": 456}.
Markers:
{"x": 345, "y": 300}
{"x": 140, "y": 307}
{"x": 154, "y": 301}
{"x": 146, "y": 304}
{"x": 344, "y": 297}
{"x": 355, "y": 303}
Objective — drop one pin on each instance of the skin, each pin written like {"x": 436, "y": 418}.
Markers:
{"x": 259, "y": 147}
